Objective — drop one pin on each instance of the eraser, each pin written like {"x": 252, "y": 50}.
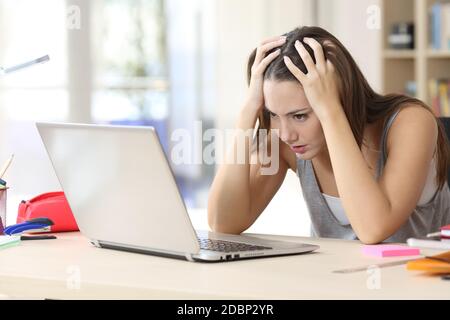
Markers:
{"x": 389, "y": 250}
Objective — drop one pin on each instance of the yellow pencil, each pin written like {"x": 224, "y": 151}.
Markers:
{"x": 6, "y": 165}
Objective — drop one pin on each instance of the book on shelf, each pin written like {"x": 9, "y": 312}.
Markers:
{"x": 410, "y": 88}
{"x": 439, "y": 23}
{"x": 439, "y": 91}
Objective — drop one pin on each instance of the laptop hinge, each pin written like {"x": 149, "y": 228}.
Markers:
{"x": 95, "y": 243}
{"x": 189, "y": 257}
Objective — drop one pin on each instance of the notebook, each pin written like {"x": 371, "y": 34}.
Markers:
{"x": 438, "y": 264}
{"x": 9, "y": 241}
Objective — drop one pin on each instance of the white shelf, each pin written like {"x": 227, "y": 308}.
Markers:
{"x": 438, "y": 54}
{"x": 399, "y": 54}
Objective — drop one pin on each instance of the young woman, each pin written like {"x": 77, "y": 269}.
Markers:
{"x": 372, "y": 167}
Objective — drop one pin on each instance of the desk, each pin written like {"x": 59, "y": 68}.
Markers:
{"x": 71, "y": 268}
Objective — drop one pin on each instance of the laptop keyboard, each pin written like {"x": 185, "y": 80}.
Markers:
{"x": 227, "y": 246}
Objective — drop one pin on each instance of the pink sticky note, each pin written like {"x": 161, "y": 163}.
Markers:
{"x": 389, "y": 250}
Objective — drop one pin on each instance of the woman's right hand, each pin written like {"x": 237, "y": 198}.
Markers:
{"x": 255, "y": 98}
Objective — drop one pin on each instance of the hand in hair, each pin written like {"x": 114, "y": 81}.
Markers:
{"x": 320, "y": 81}
{"x": 262, "y": 60}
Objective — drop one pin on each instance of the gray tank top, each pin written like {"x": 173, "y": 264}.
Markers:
{"x": 425, "y": 218}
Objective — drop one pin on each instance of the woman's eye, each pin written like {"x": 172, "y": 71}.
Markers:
{"x": 300, "y": 116}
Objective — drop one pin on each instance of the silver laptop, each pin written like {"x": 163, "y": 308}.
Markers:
{"x": 123, "y": 195}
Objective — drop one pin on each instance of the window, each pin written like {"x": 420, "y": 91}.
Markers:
{"x": 114, "y": 69}
{"x": 129, "y": 54}
{"x": 39, "y": 93}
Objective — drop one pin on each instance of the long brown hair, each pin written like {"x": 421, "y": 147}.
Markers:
{"x": 361, "y": 104}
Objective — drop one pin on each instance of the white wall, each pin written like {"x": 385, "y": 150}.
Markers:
{"x": 347, "y": 21}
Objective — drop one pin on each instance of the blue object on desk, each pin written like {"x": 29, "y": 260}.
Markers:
{"x": 2, "y": 182}
{"x": 33, "y": 225}
{"x": 23, "y": 227}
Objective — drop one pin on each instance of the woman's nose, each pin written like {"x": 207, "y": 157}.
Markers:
{"x": 287, "y": 134}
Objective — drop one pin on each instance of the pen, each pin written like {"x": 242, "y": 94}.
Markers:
{"x": 379, "y": 265}
{"x": 42, "y": 59}
{"x": 5, "y": 166}
{"x": 434, "y": 234}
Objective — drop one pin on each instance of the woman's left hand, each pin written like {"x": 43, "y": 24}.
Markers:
{"x": 320, "y": 81}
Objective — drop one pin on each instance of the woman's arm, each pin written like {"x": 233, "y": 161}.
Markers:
{"x": 240, "y": 192}
{"x": 377, "y": 209}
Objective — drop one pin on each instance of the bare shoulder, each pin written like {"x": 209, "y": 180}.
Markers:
{"x": 288, "y": 155}
{"x": 413, "y": 123}
{"x": 416, "y": 113}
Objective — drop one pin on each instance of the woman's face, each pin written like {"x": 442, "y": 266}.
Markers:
{"x": 291, "y": 113}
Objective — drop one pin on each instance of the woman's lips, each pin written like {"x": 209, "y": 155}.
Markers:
{"x": 300, "y": 149}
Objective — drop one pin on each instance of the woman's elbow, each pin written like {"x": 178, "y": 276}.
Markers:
{"x": 370, "y": 240}
{"x": 222, "y": 227}
{"x": 372, "y": 236}
{"x": 219, "y": 229}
